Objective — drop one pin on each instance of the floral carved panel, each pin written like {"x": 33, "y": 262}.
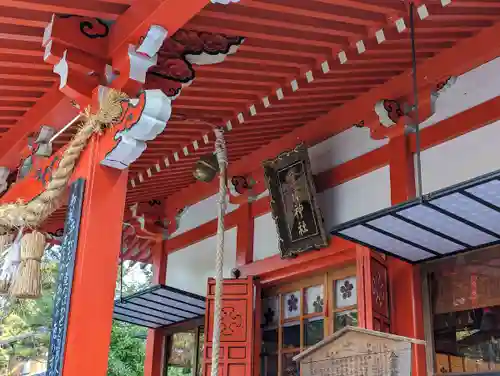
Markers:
{"x": 380, "y": 291}
{"x": 238, "y": 324}
{"x": 346, "y": 292}
{"x": 231, "y": 321}
{"x": 292, "y": 302}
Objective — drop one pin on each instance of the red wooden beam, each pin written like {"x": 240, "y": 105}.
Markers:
{"x": 455, "y": 126}
{"x": 135, "y": 22}
{"x": 199, "y": 233}
{"x": 352, "y": 169}
{"x": 53, "y": 109}
{"x": 245, "y": 235}
{"x": 275, "y": 268}
{"x": 465, "y": 56}
{"x": 155, "y": 344}
{"x": 460, "y": 124}
{"x": 90, "y": 8}
{"x": 325, "y": 180}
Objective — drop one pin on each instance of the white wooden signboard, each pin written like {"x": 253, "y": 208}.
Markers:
{"x": 359, "y": 352}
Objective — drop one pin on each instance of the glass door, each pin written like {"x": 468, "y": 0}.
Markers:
{"x": 185, "y": 353}
{"x": 465, "y": 313}
{"x": 298, "y": 315}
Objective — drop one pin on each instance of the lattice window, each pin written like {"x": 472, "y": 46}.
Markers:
{"x": 299, "y": 314}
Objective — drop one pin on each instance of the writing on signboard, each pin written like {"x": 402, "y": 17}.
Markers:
{"x": 65, "y": 280}
{"x": 358, "y": 352}
{"x": 300, "y": 219}
{"x": 293, "y": 202}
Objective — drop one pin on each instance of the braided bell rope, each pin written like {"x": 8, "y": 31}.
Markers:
{"x": 220, "y": 150}
{"x": 34, "y": 212}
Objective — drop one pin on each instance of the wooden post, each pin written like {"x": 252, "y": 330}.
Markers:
{"x": 365, "y": 318}
{"x": 244, "y": 237}
{"x": 155, "y": 344}
{"x": 96, "y": 267}
{"x": 373, "y": 290}
{"x": 406, "y": 294}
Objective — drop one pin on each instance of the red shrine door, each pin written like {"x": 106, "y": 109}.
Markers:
{"x": 239, "y": 328}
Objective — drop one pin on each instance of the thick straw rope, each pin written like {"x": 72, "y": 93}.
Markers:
{"x": 220, "y": 149}
{"x": 34, "y": 212}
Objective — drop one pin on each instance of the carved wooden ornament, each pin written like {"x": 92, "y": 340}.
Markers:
{"x": 143, "y": 119}
{"x": 39, "y": 145}
{"x": 74, "y": 45}
{"x": 243, "y": 189}
{"x": 389, "y": 112}
{"x": 182, "y": 52}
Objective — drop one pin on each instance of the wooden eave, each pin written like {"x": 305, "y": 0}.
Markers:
{"x": 287, "y": 42}
{"x": 272, "y": 92}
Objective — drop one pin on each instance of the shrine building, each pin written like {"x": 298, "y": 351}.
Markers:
{"x": 290, "y": 168}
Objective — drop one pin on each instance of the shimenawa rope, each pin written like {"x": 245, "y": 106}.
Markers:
{"x": 32, "y": 213}
{"x": 220, "y": 150}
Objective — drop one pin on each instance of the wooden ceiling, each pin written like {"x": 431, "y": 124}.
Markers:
{"x": 286, "y": 39}
{"x": 275, "y": 83}
{"x": 24, "y": 76}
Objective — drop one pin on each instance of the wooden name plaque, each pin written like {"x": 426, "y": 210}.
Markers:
{"x": 294, "y": 204}
{"x": 358, "y": 352}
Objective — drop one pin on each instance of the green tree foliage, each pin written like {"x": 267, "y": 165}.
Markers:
{"x": 127, "y": 350}
{"x": 25, "y": 327}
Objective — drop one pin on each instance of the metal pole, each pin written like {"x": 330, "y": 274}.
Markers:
{"x": 418, "y": 163}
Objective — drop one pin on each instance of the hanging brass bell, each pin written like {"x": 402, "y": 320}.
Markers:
{"x": 206, "y": 168}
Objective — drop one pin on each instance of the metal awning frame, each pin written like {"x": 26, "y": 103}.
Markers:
{"x": 426, "y": 201}
{"x": 159, "y": 306}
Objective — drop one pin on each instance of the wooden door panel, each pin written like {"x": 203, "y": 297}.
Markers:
{"x": 237, "y": 327}
{"x": 373, "y": 292}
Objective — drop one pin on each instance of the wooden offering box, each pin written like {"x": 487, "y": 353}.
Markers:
{"x": 358, "y": 352}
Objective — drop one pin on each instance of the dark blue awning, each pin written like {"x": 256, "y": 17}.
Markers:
{"x": 457, "y": 219}
{"x": 159, "y": 306}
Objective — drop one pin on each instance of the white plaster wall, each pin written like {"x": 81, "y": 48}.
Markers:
{"x": 472, "y": 88}
{"x": 341, "y": 148}
{"x": 265, "y": 237}
{"x": 361, "y": 196}
{"x": 200, "y": 213}
{"x": 463, "y": 158}
{"x": 189, "y": 268}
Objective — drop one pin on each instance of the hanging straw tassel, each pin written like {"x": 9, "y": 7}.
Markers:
{"x": 10, "y": 253}
{"x": 27, "y": 282}
{"x": 5, "y": 241}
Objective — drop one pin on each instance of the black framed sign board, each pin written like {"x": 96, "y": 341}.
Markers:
{"x": 293, "y": 202}
{"x": 65, "y": 280}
